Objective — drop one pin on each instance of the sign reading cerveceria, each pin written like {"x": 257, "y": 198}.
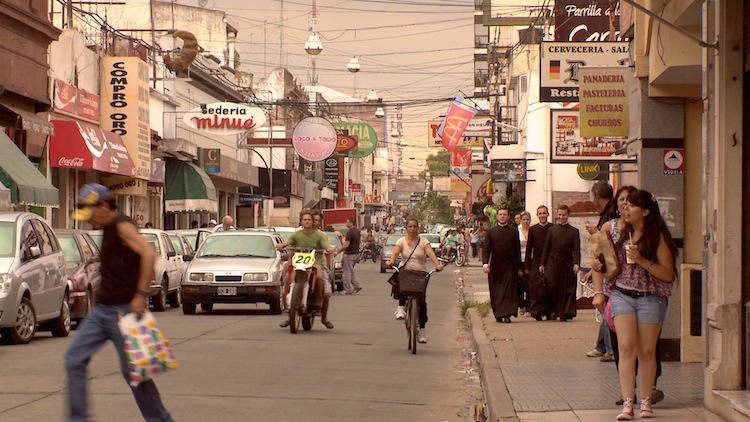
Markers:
{"x": 225, "y": 118}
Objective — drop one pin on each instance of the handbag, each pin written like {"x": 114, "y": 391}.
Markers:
{"x": 603, "y": 249}
{"x": 608, "y": 315}
{"x": 148, "y": 351}
{"x": 393, "y": 279}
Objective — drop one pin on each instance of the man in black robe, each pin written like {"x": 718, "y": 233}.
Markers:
{"x": 501, "y": 254}
{"x": 538, "y": 286}
{"x": 561, "y": 260}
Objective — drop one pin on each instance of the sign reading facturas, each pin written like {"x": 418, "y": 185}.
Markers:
{"x": 604, "y": 101}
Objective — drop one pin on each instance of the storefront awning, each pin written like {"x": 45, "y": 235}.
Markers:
{"x": 83, "y": 146}
{"x": 188, "y": 188}
{"x": 27, "y": 185}
{"x": 30, "y": 122}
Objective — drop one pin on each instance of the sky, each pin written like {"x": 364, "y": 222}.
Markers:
{"x": 407, "y": 49}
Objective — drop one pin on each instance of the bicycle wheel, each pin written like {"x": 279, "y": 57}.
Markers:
{"x": 407, "y": 322}
{"x": 414, "y": 316}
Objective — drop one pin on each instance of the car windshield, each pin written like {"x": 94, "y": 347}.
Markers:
{"x": 152, "y": 240}
{"x": 334, "y": 240}
{"x": 432, "y": 238}
{"x": 70, "y": 248}
{"x": 341, "y": 228}
{"x": 191, "y": 238}
{"x": 285, "y": 235}
{"x": 7, "y": 239}
{"x": 237, "y": 246}
{"x": 392, "y": 239}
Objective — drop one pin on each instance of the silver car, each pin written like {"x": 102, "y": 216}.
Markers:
{"x": 234, "y": 267}
{"x": 165, "y": 286}
{"x": 33, "y": 286}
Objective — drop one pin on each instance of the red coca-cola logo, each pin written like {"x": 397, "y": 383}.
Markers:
{"x": 70, "y": 162}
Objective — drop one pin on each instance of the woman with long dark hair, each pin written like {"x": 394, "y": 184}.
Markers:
{"x": 639, "y": 296}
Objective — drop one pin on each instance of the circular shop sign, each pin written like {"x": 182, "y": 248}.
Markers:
{"x": 314, "y": 139}
{"x": 588, "y": 171}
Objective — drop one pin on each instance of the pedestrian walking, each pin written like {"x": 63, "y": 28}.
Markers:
{"x": 350, "y": 249}
{"x": 414, "y": 251}
{"x": 561, "y": 260}
{"x": 639, "y": 297}
{"x": 502, "y": 263}
{"x": 127, "y": 267}
{"x": 523, "y": 280}
{"x": 607, "y": 204}
{"x": 539, "y": 297}
{"x": 474, "y": 238}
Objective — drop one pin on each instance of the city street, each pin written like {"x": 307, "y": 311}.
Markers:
{"x": 236, "y": 364}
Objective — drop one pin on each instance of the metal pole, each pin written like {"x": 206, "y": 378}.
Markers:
{"x": 673, "y": 26}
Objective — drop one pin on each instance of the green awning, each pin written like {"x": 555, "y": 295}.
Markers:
{"x": 27, "y": 185}
{"x": 188, "y": 188}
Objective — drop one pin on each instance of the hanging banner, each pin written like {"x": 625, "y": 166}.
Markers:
{"x": 455, "y": 123}
{"x": 125, "y": 107}
{"x": 508, "y": 171}
{"x": 314, "y": 139}
{"x": 604, "y": 101}
{"x": 568, "y": 146}
{"x": 367, "y": 140}
{"x": 561, "y": 62}
{"x": 461, "y": 170}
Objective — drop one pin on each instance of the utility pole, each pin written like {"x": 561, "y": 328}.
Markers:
{"x": 281, "y": 33}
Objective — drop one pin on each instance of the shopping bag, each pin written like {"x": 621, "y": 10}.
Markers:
{"x": 148, "y": 351}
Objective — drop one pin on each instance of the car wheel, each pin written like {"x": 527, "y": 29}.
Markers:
{"x": 25, "y": 327}
{"x": 188, "y": 308}
{"x": 175, "y": 300}
{"x": 276, "y": 305}
{"x": 160, "y": 300}
{"x": 60, "y": 327}
{"x": 207, "y": 306}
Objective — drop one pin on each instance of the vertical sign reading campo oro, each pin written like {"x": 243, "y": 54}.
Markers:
{"x": 124, "y": 107}
{"x": 604, "y": 101}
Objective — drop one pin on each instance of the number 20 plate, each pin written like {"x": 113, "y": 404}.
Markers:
{"x": 226, "y": 291}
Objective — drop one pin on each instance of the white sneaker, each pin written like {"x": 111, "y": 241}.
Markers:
{"x": 422, "y": 335}
{"x": 400, "y": 312}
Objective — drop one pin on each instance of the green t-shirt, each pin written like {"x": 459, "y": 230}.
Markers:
{"x": 316, "y": 240}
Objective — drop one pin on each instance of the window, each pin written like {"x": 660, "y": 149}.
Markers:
{"x": 28, "y": 240}
{"x": 70, "y": 249}
{"x": 53, "y": 239}
{"x": 92, "y": 244}
{"x": 177, "y": 243}
{"x": 7, "y": 239}
{"x": 152, "y": 240}
{"x": 45, "y": 244}
{"x": 168, "y": 245}
{"x": 85, "y": 247}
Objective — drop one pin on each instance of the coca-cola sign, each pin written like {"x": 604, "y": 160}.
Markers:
{"x": 70, "y": 162}
{"x": 225, "y": 118}
{"x": 76, "y": 102}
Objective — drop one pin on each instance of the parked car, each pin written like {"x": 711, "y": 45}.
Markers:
{"x": 193, "y": 236}
{"x": 234, "y": 267}
{"x": 33, "y": 290}
{"x": 185, "y": 252}
{"x": 82, "y": 264}
{"x": 97, "y": 236}
{"x": 434, "y": 240}
{"x": 338, "y": 270}
{"x": 165, "y": 287}
{"x": 387, "y": 250}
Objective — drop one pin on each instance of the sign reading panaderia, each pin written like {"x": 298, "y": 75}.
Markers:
{"x": 561, "y": 61}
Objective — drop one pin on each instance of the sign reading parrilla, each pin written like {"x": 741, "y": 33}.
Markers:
{"x": 225, "y": 118}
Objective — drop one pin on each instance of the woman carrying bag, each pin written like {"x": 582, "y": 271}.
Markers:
{"x": 414, "y": 250}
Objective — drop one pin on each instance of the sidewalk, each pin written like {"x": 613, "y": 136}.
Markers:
{"x": 538, "y": 371}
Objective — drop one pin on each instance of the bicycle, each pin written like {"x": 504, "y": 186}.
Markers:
{"x": 411, "y": 320}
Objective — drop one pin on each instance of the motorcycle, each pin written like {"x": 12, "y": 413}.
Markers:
{"x": 457, "y": 255}
{"x": 366, "y": 253}
{"x": 304, "y": 299}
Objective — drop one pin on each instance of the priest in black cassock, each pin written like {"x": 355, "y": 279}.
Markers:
{"x": 501, "y": 254}
{"x": 538, "y": 287}
{"x": 561, "y": 260}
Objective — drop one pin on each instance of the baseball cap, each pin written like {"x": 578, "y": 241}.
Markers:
{"x": 213, "y": 221}
{"x": 89, "y": 197}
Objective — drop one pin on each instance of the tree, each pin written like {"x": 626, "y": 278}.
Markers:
{"x": 433, "y": 208}
{"x": 438, "y": 164}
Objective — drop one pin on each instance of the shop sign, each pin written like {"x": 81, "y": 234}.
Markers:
{"x": 119, "y": 185}
{"x": 75, "y": 102}
{"x": 483, "y": 187}
{"x": 225, "y": 118}
{"x": 346, "y": 143}
{"x": 441, "y": 184}
{"x": 604, "y": 101}
{"x": 568, "y": 146}
{"x": 561, "y": 63}
{"x": 461, "y": 170}
{"x": 124, "y": 107}
{"x": 210, "y": 159}
{"x": 355, "y": 188}
{"x": 314, "y": 139}
{"x": 588, "y": 171}
{"x": 331, "y": 173}
{"x": 365, "y": 135}
{"x": 585, "y": 20}
{"x": 505, "y": 171}
{"x": 674, "y": 161}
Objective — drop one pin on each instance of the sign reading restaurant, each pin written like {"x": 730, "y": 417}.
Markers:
{"x": 225, "y": 118}
{"x": 561, "y": 63}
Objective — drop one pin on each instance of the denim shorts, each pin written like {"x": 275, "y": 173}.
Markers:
{"x": 647, "y": 309}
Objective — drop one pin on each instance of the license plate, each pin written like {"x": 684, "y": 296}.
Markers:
{"x": 226, "y": 291}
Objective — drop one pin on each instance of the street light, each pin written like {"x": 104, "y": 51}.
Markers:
{"x": 313, "y": 46}
{"x": 353, "y": 66}
{"x": 379, "y": 113}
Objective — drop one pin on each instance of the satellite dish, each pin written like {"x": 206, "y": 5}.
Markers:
{"x": 202, "y": 3}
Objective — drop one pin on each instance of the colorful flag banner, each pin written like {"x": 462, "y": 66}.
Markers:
{"x": 455, "y": 122}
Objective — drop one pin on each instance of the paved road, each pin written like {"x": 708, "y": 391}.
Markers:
{"x": 236, "y": 364}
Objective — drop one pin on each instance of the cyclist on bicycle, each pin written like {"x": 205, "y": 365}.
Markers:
{"x": 419, "y": 249}
{"x": 312, "y": 238}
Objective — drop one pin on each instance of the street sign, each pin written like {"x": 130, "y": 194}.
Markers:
{"x": 588, "y": 171}
{"x": 331, "y": 172}
{"x": 674, "y": 161}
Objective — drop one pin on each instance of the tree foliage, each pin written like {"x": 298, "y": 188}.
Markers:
{"x": 438, "y": 164}
{"x": 433, "y": 208}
